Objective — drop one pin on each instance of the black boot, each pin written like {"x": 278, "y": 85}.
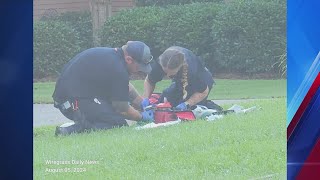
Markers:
{"x": 69, "y": 128}
{"x": 212, "y": 105}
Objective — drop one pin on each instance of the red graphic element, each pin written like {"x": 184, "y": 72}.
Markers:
{"x": 311, "y": 167}
{"x": 296, "y": 118}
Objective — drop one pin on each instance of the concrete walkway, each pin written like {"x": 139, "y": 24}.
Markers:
{"x": 46, "y": 114}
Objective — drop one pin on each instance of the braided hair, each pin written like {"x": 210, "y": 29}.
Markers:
{"x": 173, "y": 59}
{"x": 184, "y": 79}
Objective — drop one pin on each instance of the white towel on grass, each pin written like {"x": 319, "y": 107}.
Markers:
{"x": 202, "y": 112}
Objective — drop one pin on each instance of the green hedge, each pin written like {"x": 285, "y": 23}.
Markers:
{"x": 249, "y": 36}
{"x": 54, "y": 44}
{"x": 239, "y": 37}
{"x": 186, "y": 26}
{"x": 81, "y": 22}
{"x": 134, "y": 24}
{"x": 245, "y": 37}
{"x": 58, "y": 38}
{"x": 161, "y": 28}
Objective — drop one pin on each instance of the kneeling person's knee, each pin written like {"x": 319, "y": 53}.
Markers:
{"x": 120, "y": 106}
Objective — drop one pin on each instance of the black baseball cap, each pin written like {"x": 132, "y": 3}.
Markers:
{"x": 140, "y": 52}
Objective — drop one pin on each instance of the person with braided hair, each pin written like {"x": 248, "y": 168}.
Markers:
{"x": 191, "y": 80}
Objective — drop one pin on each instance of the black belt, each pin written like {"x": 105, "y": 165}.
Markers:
{"x": 72, "y": 106}
{"x": 66, "y": 105}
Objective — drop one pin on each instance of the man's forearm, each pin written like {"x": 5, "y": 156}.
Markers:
{"x": 126, "y": 110}
{"x": 132, "y": 114}
{"x": 197, "y": 97}
{"x": 134, "y": 96}
{"x": 148, "y": 88}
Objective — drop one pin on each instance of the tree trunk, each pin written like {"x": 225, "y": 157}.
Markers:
{"x": 100, "y": 11}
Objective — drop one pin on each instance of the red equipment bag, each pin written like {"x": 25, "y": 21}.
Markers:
{"x": 186, "y": 115}
{"x": 154, "y": 98}
{"x": 165, "y": 113}
{"x": 162, "y": 116}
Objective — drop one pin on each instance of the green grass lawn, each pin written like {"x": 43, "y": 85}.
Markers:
{"x": 236, "y": 147}
{"x": 224, "y": 89}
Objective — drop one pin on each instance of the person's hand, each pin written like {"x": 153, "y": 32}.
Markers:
{"x": 144, "y": 103}
{"x": 148, "y": 116}
{"x": 183, "y": 106}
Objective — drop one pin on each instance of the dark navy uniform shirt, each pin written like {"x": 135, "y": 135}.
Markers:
{"x": 198, "y": 75}
{"x": 95, "y": 73}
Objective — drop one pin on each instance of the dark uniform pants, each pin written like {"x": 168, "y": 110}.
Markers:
{"x": 94, "y": 114}
{"x": 174, "y": 94}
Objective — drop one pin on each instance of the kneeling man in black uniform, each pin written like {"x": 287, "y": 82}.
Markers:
{"x": 93, "y": 89}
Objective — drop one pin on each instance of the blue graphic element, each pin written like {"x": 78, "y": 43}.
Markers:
{"x": 303, "y": 47}
{"x": 16, "y": 88}
{"x": 303, "y": 88}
